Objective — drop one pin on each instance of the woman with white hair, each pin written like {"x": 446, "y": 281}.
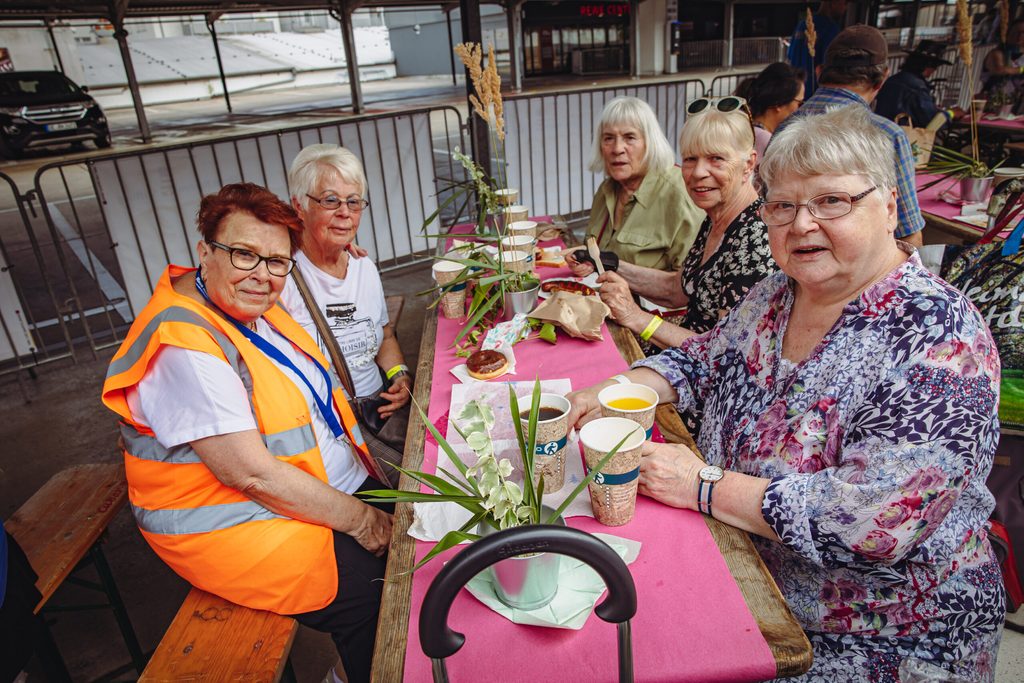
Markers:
{"x": 641, "y": 213}
{"x": 328, "y": 190}
{"x": 849, "y": 422}
{"x": 730, "y": 253}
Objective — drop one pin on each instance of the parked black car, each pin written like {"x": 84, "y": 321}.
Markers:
{"x": 42, "y": 108}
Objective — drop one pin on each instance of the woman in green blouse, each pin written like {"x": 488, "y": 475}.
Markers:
{"x": 641, "y": 211}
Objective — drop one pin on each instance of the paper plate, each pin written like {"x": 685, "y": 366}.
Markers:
{"x": 590, "y": 281}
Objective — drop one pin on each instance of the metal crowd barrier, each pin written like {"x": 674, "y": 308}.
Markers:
{"x": 550, "y": 139}
{"x": 39, "y": 308}
{"x": 726, "y": 85}
{"x": 113, "y": 222}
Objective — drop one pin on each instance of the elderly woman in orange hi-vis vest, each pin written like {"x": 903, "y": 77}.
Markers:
{"x": 241, "y": 451}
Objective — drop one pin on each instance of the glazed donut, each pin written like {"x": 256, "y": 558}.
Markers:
{"x": 487, "y": 364}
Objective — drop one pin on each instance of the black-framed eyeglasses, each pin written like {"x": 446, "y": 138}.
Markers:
{"x": 244, "y": 259}
{"x": 825, "y": 206}
{"x": 333, "y": 202}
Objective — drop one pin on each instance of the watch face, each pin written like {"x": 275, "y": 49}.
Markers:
{"x": 711, "y": 473}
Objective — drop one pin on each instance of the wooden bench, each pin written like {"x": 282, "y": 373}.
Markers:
{"x": 212, "y": 639}
{"x": 60, "y": 529}
{"x": 394, "y": 306}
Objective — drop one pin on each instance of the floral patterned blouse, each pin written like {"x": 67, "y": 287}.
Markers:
{"x": 737, "y": 265}
{"x": 877, "y": 446}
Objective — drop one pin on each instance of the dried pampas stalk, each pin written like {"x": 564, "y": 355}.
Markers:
{"x": 963, "y": 29}
{"x": 487, "y": 84}
{"x": 812, "y": 34}
{"x": 1004, "y": 19}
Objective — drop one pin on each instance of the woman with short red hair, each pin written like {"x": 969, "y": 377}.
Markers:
{"x": 240, "y": 449}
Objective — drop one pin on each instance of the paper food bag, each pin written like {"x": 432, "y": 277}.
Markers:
{"x": 921, "y": 140}
{"x": 579, "y": 316}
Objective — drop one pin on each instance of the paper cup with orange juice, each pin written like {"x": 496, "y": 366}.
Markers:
{"x": 634, "y": 402}
{"x": 613, "y": 489}
{"x": 552, "y": 433}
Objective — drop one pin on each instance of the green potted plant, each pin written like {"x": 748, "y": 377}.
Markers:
{"x": 497, "y": 494}
{"x": 975, "y": 176}
{"x": 1002, "y": 103}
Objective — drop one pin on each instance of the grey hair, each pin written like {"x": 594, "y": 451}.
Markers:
{"x": 842, "y": 141}
{"x": 714, "y": 131}
{"x": 632, "y": 111}
{"x": 309, "y": 164}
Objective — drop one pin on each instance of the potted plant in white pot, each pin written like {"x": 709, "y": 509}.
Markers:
{"x": 498, "y": 494}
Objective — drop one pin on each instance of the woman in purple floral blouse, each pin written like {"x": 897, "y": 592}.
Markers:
{"x": 851, "y": 402}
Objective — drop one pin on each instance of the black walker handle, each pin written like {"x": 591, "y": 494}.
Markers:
{"x": 438, "y": 641}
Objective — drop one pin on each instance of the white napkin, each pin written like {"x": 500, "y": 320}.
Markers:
{"x": 579, "y": 588}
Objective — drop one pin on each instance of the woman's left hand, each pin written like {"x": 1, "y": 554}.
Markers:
{"x": 669, "y": 473}
{"x": 397, "y": 395}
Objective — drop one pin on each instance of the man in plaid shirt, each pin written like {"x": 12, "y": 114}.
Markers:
{"x": 853, "y": 73}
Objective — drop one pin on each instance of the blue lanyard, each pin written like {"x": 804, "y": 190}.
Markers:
{"x": 276, "y": 354}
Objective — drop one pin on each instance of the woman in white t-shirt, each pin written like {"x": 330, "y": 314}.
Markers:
{"x": 328, "y": 190}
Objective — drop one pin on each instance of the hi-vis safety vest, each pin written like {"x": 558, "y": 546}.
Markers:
{"x": 212, "y": 535}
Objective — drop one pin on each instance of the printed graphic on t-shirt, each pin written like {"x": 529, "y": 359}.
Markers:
{"x": 357, "y": 337}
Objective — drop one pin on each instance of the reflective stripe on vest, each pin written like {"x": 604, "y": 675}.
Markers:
{"x": 173, "y": 314}
{"x": 201, "y": 520}
{"x": 284, "y": 444}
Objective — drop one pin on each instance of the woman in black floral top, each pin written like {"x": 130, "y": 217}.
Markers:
{"x": 731, "y": 251}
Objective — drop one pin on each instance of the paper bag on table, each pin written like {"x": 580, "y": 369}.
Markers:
{"x": 579, "y": 316}
{"x": 921, "y": 140}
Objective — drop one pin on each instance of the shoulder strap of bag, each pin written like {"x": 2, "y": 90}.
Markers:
{"x": 330, "y": 341}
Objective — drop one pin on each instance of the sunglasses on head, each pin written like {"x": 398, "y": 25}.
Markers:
{"x": 723, "y": 104}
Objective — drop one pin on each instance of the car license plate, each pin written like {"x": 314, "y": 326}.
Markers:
{"x": 52, "y": 127}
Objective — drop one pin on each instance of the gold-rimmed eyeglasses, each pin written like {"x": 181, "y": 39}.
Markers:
{"x": 333, "y": 202}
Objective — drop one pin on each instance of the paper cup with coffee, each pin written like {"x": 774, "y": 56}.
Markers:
{"x": 453, "y": 300}
{"x": 634, "y": 402}
{"x": 552, "y": 433}
{"x": 613, "y": 489}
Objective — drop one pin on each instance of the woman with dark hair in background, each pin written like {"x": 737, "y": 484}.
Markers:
{"x": 772, "y": 95}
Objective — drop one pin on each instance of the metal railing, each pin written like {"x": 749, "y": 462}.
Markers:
{"x": 549, "y": 140}
{"x": 702, "y": 54}
{"x": 727, "y": 84}
{"x": 112, "y": 223}
{"x": 746, "y": 51}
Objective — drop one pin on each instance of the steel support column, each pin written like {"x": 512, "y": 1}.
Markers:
{"x": 634, "y": 38}
{"x": 117, "y": 12}
{"x": 53, "y": 42}
{"x": 514, "y": 15}
{"x": 344, "y": 16}
{"x": 469, "y": 13}
{"x": 730, "y": 29}
{"x": 211, "y": 19}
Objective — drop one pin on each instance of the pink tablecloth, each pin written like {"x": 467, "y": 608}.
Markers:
{"x": 1013, "y": 126}
{"x": 929, "y": 202}
{"x": 692, "y": 622}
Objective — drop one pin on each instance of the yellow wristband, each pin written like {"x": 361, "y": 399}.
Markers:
{"x": 651, "y": 328}
{"x": 395, "y": 370}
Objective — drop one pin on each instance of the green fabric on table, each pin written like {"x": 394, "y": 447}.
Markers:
{"x": 1011, "y": 398}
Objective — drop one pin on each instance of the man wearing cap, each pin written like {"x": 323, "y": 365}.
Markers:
{"x": 852, "y": 74}
{"x": 908, "y": 92}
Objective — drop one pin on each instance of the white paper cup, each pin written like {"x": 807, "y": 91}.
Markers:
{"x": 1008, "y": 172}
{"x": 523, "y": 228}
{"x": 453, "y": 302}
{"x": 613, "y": 489}
{"x": 552, "y": 434}
{"x": 518, "y": 242}
{"x": 516, "y": 212}
{"x": 619, "y": 393}
{"x": 518, "y": 261}
{"x": 507, "y": 196}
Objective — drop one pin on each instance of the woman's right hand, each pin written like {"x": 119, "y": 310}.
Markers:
{"x": 372, "y": 530}
{"x": 583, "y": 404}
{"x": 579, "y": 269}
{"x": 616, "y": 295}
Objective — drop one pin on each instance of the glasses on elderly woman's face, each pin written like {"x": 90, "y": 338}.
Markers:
{"x": 333, "y": 202}
{"x": 243, "y": 259}
{"x": 824, "y": 206}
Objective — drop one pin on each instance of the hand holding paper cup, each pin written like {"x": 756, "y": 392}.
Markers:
{"x": 635, "y": 402}
{"x": 552, "y": 433}
{"x": 613, "y": 489}
{"x": 453, "y": 301}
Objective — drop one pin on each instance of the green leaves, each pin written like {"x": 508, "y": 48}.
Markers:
{"x": 547, "y": 333}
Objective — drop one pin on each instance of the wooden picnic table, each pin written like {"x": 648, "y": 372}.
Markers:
{"x": 787, "y": 641}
